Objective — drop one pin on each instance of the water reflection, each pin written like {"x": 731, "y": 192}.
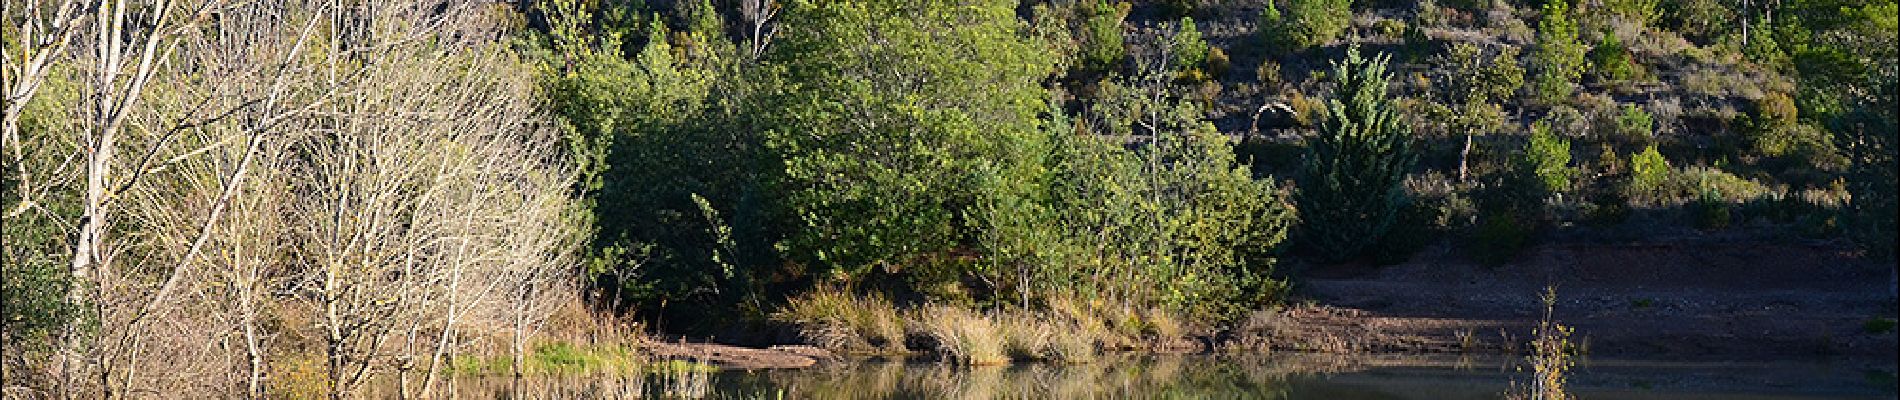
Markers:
{"x": 1294, "y": 376}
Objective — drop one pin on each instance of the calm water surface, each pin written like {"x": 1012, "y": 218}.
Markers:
{"x": 1292, "y": 377}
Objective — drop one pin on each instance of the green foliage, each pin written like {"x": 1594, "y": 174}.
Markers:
{"x": 1181, "y": 7}
{"x": 36, "y": 283}
{"x": 1304, "y": 24}
{"x": 1470, "y": 83}
{"x": 1761, "y": 47}
{"x": 1775, "y": 130}
{"x": 1711, "y": 211}
{"x": 1469, "y": 73}
{"x": 1190, "y": 50}
{"x": 1878, "y": 326}
{"x": 1869, "y": 133}
{"x": 1189, "y": 225}
{"x": 1500, "y": 237}
{"x": 36, "y": 255}
{"x": 889, "y": 140}
{"x": 1635, "y": 124}
{"x": 1648, "y": 171}
{"x": 661, "y": 150}
{"x": 1218, "y": 63}
{"x": 1102, "y": 45}
{"x": 1699, "y": 19}
{"x": 577, "y": 27}
{"x": 1548, "y": 157}
{"x": 1558, "y": 59}
{"x": 1610, "y": 60}
{"x": 1640, "y": 12}
{"x": 1350, "y": 192}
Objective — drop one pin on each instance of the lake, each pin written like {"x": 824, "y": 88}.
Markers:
{"x": 1279, "y": 376}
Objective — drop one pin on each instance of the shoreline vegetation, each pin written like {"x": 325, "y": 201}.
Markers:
{"x": 394, "y": 198}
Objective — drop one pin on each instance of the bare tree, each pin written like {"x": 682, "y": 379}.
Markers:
{"x": 384, "y": 164}
{"x": 413, "y": 196}
{"x": 759, "y": 13}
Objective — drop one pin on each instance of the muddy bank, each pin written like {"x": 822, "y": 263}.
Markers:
{"x": 1686, "y": 299}
{"x": 735, "y": 357}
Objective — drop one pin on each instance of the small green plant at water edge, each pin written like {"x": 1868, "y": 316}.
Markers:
{"x": 1550, "y": 357}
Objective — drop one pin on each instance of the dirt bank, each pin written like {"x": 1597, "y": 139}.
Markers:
{"x": 1681, "y": 299}
{"x": 735, "y": 357}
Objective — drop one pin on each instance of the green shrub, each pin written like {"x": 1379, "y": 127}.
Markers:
{"x": 1436, "y": 206}
{"x": 887, "y": 150}
{"x": 1878, "y": 325}
{"x": 1641, "y": 12}
{"x": 1610, "y": 60}
{"x": 1702, "y": 20}
{"x": 1558, "y": 60}
{"x": 1305, "y": 23}
{"x": 1351, "y": 189}
{"x": 1867, "y": 134}
{"x": 1102, "y": 45}
{"x": 1390, "y": 28}
{"x": 1218, "y": 63}
{"x": 1181, "y": 7}
{"x": 1635, "y": 124}
{"x": 1712, "y": 211}
{"x": 1648, "y": 171}
{"x": 1548, "y": 157}
{"x": 1500, "y": 237}
{"x": 1189, "y": 48}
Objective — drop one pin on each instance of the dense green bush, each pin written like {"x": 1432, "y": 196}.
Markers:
{"x": 1189, "y": 48}
{"x": 1548, "y": 157}
{"x": 1558, "y": 59}
{"x": 1635, "y": 125}
{"x": 1640, "y": 12}
{"x": 1700, "y": 20}
{"x": 886, "y": 147}
{"x": 1304, "y": 24}
{"x": 1350, "y": 190}
{"x": 1712, "y": 211}
{"x": 1500, "y": 237}
{"x": 1102, "y": 45}
{"x": 1610, "y": 60}
{"x": 1869, "y": 133}
{"x": 1648, "y": 171}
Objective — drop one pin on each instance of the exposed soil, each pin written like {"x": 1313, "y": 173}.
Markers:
{"x": 1670, "y": 300}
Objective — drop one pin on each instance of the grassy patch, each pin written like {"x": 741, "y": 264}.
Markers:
{"x": 557, "y": 358}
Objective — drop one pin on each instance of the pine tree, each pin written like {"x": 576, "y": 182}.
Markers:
{"x": 1190, "y": 49}
{"x": 1559, "y": 58}
{"x": 1351, "y": 190}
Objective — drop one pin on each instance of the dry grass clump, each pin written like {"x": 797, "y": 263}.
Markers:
{"x": 839, "y": 321}
{"x": 1026, "y": 334}
{"x": 1163, "y": 324}
{"x": 1048, "y": 336}
{"x": 964, "y": 336}
{"x": 1073, "y": 346}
